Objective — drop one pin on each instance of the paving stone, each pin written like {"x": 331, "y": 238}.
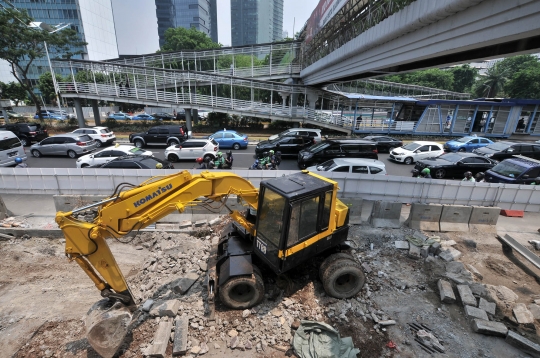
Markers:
{"x": 535, "y": 310}
{"x": 522, "y": 314}
{"x": 487, "y": 306}
{"x": 466, "y": 295}
{"x": 200, "y": 223}
{"x": 475, "y": 272}
{"x": 183, "y": 284}
{"x": 166, "y": 309}
{"x": 424, "y": 251}
{"x": 457, "y": 279}
{"x": 522, "y": 343}
{"x": 489, "y": 328}
{"x": 147, "y": 305}
{"x": 446, "y": 291}
{"x": 402, "y": 245}
{"x": 455, "y": 267}
{"x": 435, "y": 248}
{"x": 474, "y": 312}
{"x": 161, "y": 340}
{"x": 414, "y": 252}
{"x": 180, "y": 340}
{"x": 450, "y": 254}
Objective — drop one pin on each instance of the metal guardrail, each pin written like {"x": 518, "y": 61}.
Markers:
{"x": 369, "y": 187}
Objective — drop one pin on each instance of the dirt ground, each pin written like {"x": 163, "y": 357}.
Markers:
{"x": 43, "y": 299}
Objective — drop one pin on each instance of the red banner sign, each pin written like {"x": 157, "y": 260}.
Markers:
{"x": 323, "y": 13}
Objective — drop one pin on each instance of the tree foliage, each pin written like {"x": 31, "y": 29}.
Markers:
{"x": 433, "y": 78}
{"x": 525, "y": 83}
{"x": 14, "y": 92}
{"x": 464, "y": 78}
{"x": 21, "y": 45}
{"x": 46, "y": 86}
{"x": 179, "y": 38}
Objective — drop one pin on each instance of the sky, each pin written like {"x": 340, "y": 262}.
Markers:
{"x": 137, "y": 33}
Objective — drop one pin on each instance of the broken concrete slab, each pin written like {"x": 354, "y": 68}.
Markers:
{"x": 180, "y": 336}
{"x": 183, "y": 284}
{"x": 450, "y": 254}
{"x": 166, "y": 309}
{"x": 522, "y": 314}
{"x": 466, "y": 295}
{"x": 185, "y": 224}
{"x": 522, "y": 343}
{"x": 489, "y": 328}
{"x": 161, "y": 340}
{"x": 402, "y": 245}
{"x": 475, "y": 272}
{"x": 487, "y": 306}
{"x": 447, "y": 243}
{"x": 535, "y": 310}
{"x": 200, "y": 223}
{"x": 474, "y": 312}
{"x": 414, "y": 252}
{"x": 446, "y": 291}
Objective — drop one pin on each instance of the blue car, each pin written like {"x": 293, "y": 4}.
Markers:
{"x": 142, "y": 117}
{"x": 466, "y": 144}
{"x": 119, "y": 116}
{"x": 50, "y": 115}
{"x": 230, "y": 139}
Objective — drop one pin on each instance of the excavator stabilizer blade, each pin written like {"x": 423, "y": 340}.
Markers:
{"x": 107, "y": 324}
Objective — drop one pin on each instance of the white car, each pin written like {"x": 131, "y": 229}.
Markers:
{"x": 108, "y": 154}
{"x": 350, "y": 165}
{"x": 415, "y": 151}
{"x": 192, "y": 149}
{"x": 102, "y": 135}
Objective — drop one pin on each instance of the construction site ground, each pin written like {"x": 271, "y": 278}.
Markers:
{"x": 43, "y": 297}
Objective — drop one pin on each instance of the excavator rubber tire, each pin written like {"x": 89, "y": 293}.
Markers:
{"x": 241, "y": 292}
{"x": 343, "y": 278}
{"x": 332, "y": 258}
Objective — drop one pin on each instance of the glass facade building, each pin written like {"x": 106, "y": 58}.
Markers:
{"x": 92, "y": 19}
{"x": 200, "y": 14}
{"x": 256, "y": 21}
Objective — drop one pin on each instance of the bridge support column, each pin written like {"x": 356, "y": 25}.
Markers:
{"x": 95, "y": 108}
{"x": 188, "y": 118}
{"x": 312, "y": 99}
{"x": 79, "y": 112}
{"x": 194, "y": 116}
{"x": 294, "y": 100}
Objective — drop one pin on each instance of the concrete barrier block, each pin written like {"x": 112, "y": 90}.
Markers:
{"x": 484, "y": 218}
{"x": 386, "y": 214}
{"x": 70, "y": 202}
{"x": 425, "y": 216}
{"x": 455, "y": 218}
{"x": 355, "y": 209}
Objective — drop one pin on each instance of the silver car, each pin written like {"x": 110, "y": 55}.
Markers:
{"x": 69, "y": 144}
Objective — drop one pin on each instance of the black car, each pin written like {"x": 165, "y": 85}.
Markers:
{"x": 454, "y": 165}
{"x": 159, "y": 135}
{"x": 384, "y": 143}
{"x": 135, "y": 162}
{"x": 286, "y": 145}
{"x": 337, "y": 148}
{"x": 504, "y": 150}
{"x": 163, "y": 116}
{"x": 28, "y": 133}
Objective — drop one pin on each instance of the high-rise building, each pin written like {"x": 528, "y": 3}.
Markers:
{"x": 200, "y": 14}
{"x": 92, "y": 19}
{"x": 256, "y": 21}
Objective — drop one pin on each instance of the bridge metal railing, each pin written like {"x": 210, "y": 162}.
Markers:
{"x": 91, "y": 181}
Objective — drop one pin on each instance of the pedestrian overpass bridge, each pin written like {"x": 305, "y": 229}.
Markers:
{"x": 291, "y": 81}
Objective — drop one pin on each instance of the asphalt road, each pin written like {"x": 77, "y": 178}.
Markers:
{"x": 243, "y": 159}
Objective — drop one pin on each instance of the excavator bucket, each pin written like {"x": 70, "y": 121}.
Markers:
{"x": 107, "y": 324}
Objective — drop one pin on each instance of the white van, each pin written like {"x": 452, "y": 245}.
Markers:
{"x": 10, "y": 148}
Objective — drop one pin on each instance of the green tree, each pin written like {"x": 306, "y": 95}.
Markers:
{"x": 21, "y": 45}
{"x": 525, "y": 83}
{"x": 179, "y": 38}
{"x": 464, "y": 78}
{"x": 492, "y": 83}
{"x": 432, "y": 78}
{"x": 512, "y": 65}
{"x": 14, "y": 92}
{"x": 46, "y": 86}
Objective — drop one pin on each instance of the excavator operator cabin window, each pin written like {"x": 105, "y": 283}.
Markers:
{"x": 271, "y": 217}
{"x": 304, "y": 218}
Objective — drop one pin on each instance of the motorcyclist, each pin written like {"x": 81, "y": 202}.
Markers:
{"x": 469, "y": 177}
{"x": 265, "y": 159}
{"x": 480, "y": 177}
{"x": 219, "y": 162}
{"x": 228, "y": 161}
{"x": 20, "y": 164}
{"x": 271, "y": 158}
{"x": 425, "y": 173}
{"x": 255, "y": 165}
{"x": 209, "y": 163}
{"x": 202, "y": 163}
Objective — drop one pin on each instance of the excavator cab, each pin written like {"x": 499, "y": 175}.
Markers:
{"x": 298, "y": 217}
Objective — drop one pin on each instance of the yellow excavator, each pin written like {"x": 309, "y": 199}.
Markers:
{"x": 289, "y": 220}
